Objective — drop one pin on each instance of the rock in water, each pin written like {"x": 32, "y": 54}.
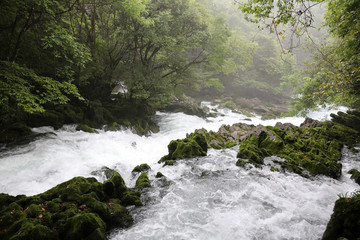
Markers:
{"x": 344, "y": 222}
{"x": 81, "y": 208}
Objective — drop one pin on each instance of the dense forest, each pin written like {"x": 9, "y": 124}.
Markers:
{"x": 126, "y": 68}
{"x": 116, "y": 62}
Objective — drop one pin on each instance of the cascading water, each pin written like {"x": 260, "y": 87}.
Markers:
{"x": 201, "y": 198}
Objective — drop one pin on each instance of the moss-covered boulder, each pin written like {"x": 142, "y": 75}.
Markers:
{"x": 313, "y": 148}
{"x": 159, "y": 175}
{"x": 192, "y": 146}
{"x": 81, "y": 208}
{"x": 143, "y": 181}
{"x": 355, "y": 174}
{"x": 350, "y": 119}
{"x": 345, "y": 221}
{"x": 85, "y": 128}
{"x": 141, "y": 168}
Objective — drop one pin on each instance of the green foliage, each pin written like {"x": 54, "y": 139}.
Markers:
{"x": 21, "y": 87}
{"x": 334, "y": 75}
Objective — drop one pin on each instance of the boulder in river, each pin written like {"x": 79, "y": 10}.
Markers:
{"x": 192, "y": 146}
{"x": 344, "y": 222}
{"x": 81, "y": 208}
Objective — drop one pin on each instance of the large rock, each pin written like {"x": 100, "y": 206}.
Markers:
{"x": 192, "y": 146}
{"x": 315, "y": 147}
{"x": 344, "y": 222}
{"x": 81, "y": 208}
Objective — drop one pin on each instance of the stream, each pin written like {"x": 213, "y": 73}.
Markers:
{"x": 200, "y": 198}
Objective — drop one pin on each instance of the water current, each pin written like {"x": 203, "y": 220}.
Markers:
{"x": 200, "y": 198}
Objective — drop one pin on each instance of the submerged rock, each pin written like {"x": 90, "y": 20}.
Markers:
{"x": 81, "y": 208}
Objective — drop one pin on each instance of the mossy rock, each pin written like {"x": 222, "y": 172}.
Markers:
{"x": 355, "y": 174}
{"x": 85, "y": 128}
{"x": 169, "y": 163}
{"x": 192, "y": 146}
{"x": 141, "y": 168}
{"x": 159, "y": 175}
{"x": 84, "y": 226}
{"x": 131, "y": 198}
{"x": 81, "y": 208}
{"x": 113, "y": 127}
{"x": 143, "y": 181}
{"x": 344, "y": 222}
{"x": 186, "y": 148}
{"x": 316, "y": 149}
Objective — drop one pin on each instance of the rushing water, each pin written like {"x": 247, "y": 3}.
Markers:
{"x": 201, "y": 198}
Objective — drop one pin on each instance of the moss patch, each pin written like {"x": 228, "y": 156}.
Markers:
{"x": 85, "y": 128}
{"x": 192, "y": 146}
{"x": 344, "y": 222}
{"x": 316, "y": 150}
{"x": 143, "y": 181}
{"x": 141, "y": 168}
{"x": 355, "y": 174}
{"x": 81, "y": 208}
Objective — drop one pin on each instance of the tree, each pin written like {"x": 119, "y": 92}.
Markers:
{"x": 38, "y": 55}
{"x": 337, "y": 75}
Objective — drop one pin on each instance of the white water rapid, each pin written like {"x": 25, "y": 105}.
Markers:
{"x": 202, "y": 198}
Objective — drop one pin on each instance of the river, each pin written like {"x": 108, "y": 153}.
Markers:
{"x": 201, "y": 198}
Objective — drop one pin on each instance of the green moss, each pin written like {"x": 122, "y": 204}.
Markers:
{"x": 249, "y": 150}
{"x": 316, "y": 150}
{"x": 131, "y": 198}
{"x": 274, "y": 169}
{"x": 159, "y": 175}
{"x": 187, "y": 148}
{"x": 113, "y": 127}
{"x": 85, "y": 128}
{"x": 192, "y": 146}
{"x": 344, "y": 222}
{"x": 241, "y": 163}
{"x": 84, "y": 225}
{"x": 126, "y": 123}
{"x": 119, "y": 216}
{"x": 169, "y": 163}
{"x": 80, "y": 208}
{"x": 230, "y": 144}
{"x": 143, "y": 181}
{"x": 141, "y": 168}
{"x": 355, "y": 174}
{"x": 33, "y": 211}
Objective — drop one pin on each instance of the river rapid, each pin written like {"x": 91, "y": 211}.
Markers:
{"x": 200, "y": 198}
